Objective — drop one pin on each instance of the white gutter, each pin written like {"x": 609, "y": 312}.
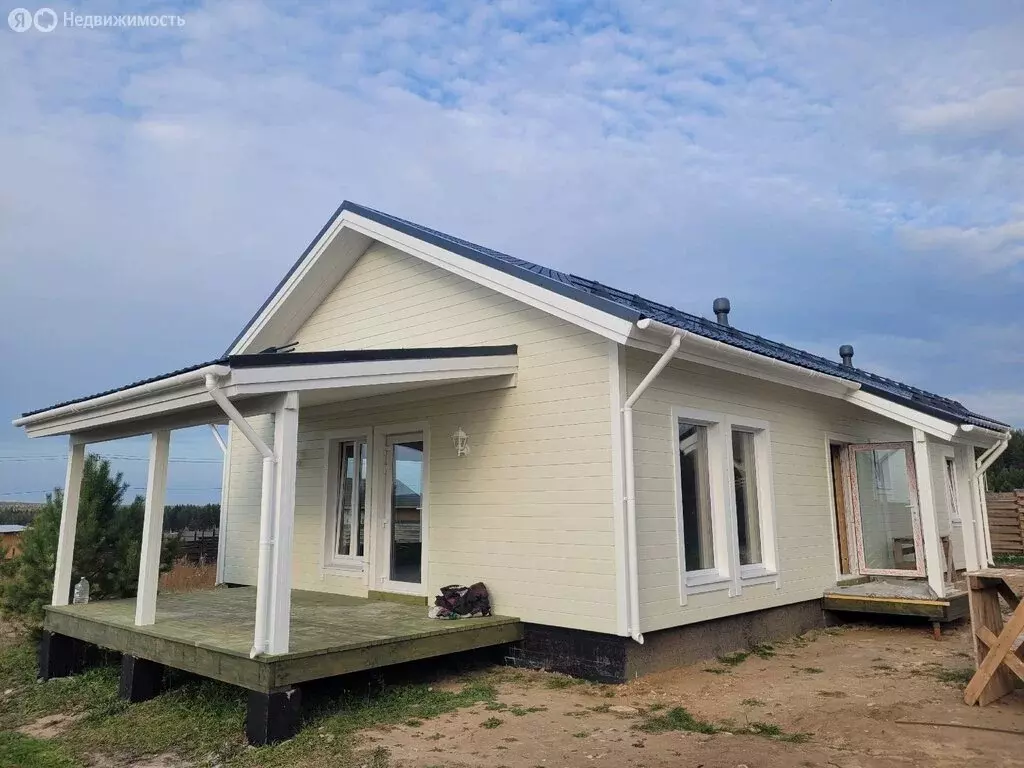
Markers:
{"x": 142, "y": 389}
{"x": 259, "y": 644}
{"x": 721, "y": 346}
{"x": 632, "y": 554}
{"x": 983, "y": 462}
{"x": 988, "y": 458}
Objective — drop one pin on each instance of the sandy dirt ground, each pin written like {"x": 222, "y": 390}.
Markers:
{"x": 844, "y": 691}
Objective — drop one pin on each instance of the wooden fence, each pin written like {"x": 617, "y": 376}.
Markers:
{"x": 198, "y": 547}
{"x": 1006, "y": 522}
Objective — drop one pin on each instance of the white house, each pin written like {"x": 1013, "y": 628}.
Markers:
{"x": 615, "y": 470}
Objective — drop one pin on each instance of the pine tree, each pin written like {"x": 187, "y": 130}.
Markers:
{"x": 108, "y": 543}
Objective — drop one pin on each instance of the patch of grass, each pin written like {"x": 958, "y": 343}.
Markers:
{"x": 496, "y": 706}
{"x": 600, "y": 708}
{"x": 18, "y": 751}
{"x": 655, "y": 707}
{"x": 679, "y": 719}
{"x": 520, "y": 711}
{"x": 676, "y": 719}
{"x": 752, "y": 703}
{"x": 491, "y": 722}
{"x": 764, "y": 729}
{"x": 733, "y": 659}
{"x": 812, "y": 670}
{"x": 581, "y": 734}
{"x": 763, "y": 651}
{"x": 558, "y": 682}
{"x": 717, "y": 670}
{"x": 413, "y": 722}
{"x": 1009, "y": 559}
{"x": 201, "y": 720}
{"x": 774, "y": 732}
{"x": 960, "y": 676}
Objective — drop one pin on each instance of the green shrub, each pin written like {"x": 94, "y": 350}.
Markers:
{"x": 108, "y": 544}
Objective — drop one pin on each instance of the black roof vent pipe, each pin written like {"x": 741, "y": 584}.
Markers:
{"x": 721, "y": 309}
{"x": 846, "y": 353}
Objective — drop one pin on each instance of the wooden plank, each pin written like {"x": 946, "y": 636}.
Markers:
{"x": 1011, "y": 660}
{"x": 315, "y": 667}
{"x": 932, "y": 609}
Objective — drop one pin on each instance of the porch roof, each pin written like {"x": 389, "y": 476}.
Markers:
{"x": 179, "y": 398}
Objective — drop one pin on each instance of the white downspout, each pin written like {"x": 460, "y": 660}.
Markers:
{"x": 986, "y": 460}
{"x": 259, "y": 644}
{"x": 632, "y": 554}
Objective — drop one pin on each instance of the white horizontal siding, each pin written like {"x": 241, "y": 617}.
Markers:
{"x": 799, "y": 423}
{"x": 529, "y": 511}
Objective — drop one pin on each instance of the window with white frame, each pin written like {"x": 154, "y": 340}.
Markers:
{"x": 695, "y": 501}
{"x": 952, "y": 498}
{"x": 745, "y": 494}
{"x": 349, "y": 464}
{"x": 724, "y": 501}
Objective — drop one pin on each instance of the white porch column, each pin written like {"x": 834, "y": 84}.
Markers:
{"x": 286, "y": 431}
{"x": 68, "y": 523}
{"x": 986, "y": 531}
{"x": 153, "y": 528}
{"x": 934, "y": 562}
{"x": 969, "y": 513}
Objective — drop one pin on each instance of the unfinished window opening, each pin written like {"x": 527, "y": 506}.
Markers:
{"x": 952, "y": 492}
{"x": 842, "y": 514}
{"x": 745, "y": 490}
{"x": 695, "y": 490}
{"x": 885, "y": 501}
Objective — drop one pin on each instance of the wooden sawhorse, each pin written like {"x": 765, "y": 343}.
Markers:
{"x": 999, "y": 663}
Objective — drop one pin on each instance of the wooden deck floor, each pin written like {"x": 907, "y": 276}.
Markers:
{"x": 896, "y": 598}
{"x": 210, "y": 633}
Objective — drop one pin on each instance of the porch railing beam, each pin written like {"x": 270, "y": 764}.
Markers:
{"x": 934, "y": 561}
{"x": 68, "y": 523}
{"x": 153, "y": 528}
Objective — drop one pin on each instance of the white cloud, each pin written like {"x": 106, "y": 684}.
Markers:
{"x": 157, "y": 183}
{"x": 990, "y": 248}
{"x": 998, "y": 109}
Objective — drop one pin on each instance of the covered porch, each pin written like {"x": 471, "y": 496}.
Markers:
{"x": 267, "y": 637}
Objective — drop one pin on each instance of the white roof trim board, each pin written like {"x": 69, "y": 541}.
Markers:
{"x": 606, "y": 311}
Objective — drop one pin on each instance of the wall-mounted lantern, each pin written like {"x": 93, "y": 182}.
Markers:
{"x": 461, "y": 442}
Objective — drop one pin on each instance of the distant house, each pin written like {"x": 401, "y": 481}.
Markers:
{"x": 10, "y": 539}
{"x": 636, "y": 485}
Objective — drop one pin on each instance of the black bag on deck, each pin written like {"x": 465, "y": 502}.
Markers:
{"x": 465, "y": 601}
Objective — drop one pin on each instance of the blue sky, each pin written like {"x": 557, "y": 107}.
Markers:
{"x": 846, "y": 172}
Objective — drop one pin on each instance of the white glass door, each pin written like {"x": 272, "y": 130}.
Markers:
{"x": 887, "y": 519}
{"x": 403, "y": 555}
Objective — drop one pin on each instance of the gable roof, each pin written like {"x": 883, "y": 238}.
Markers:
{"x": 632, "y": 307}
